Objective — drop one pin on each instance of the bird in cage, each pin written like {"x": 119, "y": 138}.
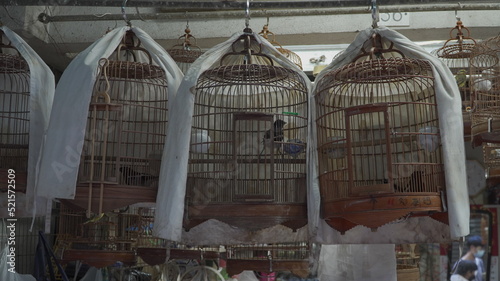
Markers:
{"x": 279, "y": 136}
{"x": 461, "y": 78}
{"x": 132, "y": 177}
{"x": 415, "y": 183}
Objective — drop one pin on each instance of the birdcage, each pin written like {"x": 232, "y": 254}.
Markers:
{"x": 125, "y": 131}
{"x": 407, "y": 267}
{"x": 247, "y": 154}
{"x": 269, "y": 258}
{"x": 456, "y": 53}
{"x": 491, "y": 156}
{"x": 293, "y": 57}
{"x": 156, "y": 251}
{"x": 99, "y": 241}
{"x": 485, "y": 114}
{"x": 378, "y": 135}
{"x": 14, "y": 116}
{"x": 186, "y": 51}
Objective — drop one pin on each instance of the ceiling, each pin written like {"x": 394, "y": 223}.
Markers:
{"x": 60, "y": 29}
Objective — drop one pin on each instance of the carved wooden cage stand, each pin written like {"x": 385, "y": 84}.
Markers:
{"x": 485, "y": 114}
{"x": 456, "y": 53}
{"x": 379, "y": 147}
{"x": 14, "y": 115}
{"x": 125, "y": 132}
{"x": 247, "y": 159}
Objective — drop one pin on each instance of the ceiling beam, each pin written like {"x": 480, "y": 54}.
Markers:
{"x": 45, "y": 18}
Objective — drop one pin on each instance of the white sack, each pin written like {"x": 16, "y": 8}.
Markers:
{"x": 357, "y": 263}
{"x": 172, "y": 182}
{"x": 65, "y": 135}
{"x": 421, "y": 230}
{"x": 42, "y": 85}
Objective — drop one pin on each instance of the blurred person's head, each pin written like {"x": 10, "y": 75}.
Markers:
{"x": 475, "y": 246}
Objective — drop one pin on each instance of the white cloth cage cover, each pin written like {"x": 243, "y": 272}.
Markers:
{"x": 172, "y": 181}
{"x": 418, "y": 229}
{"x": 65, "y": 136}
{"x": 42, "y": 85}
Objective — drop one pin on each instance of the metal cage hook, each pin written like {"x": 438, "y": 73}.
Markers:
{"x": 247, "y": 14}
{"x": 125, "y": 14}
{"x": 456, "y": 15}
{"x": 187, "y": 19}
{"x": 375, "y": 14}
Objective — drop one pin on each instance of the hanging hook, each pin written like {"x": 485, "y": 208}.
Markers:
{"x": 187, "y": 20}
{"x": 456, "y": 15}
{"x": 247, "y": 14}
{"x": 375, "y": 14}
{"x": 124, "y": 14}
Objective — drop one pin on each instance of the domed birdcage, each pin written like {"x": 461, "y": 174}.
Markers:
{"x": 485, "y": 114}
{"x": 14, "y": 116}
{"x": 378, "y": 135}
{"x": 125, "y": 131}
{"x": 186, "y": 51}
{"x": 293, "y": 57}
{"x": 247, "y": 157}
{"x": 456, "y": 53}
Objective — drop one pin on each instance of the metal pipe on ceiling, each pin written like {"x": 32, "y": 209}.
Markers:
{"x": 45, "y": 18}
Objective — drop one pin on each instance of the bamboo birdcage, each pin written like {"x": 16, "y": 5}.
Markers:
{"x": 186, "y": 51}
{"x": 125, "y": 132}
{"x": 293, "y": 57}
{"x": 247, "y": 159}
{"x": 456, "y": 53}
{"x": 267, "y": 258}
{"x": 491, "y": 156}
{"x": 485, "y": 114}
{"x": 14, "y": 115}
{"x": 379, "y": 146}
{"x": 100, "y": 241}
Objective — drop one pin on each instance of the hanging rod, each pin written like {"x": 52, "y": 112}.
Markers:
{"x": 273, "y": 13}
{"x": 227, "y": 4}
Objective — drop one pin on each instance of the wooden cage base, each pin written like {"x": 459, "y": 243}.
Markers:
{"x": 156, "y": 256}
{"x": 297, "y": 267}
{"x": 480, "y": 133}
{"x": 252, "y": 216}
{"x": 99, "y": 258}
{"x": 376, "y": 211}
{"x": 115, "y": 196}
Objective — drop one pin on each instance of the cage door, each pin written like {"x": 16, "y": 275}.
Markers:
{"x": 103, "y": 138}
{"x": 369, "y": 150}
{"x": 253, "y": 156}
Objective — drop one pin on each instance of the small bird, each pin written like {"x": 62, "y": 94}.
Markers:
{"x": 461, "y": 78}
{"x": 133, "y": 177}
{"x": 278, "y": 135}
{"x": 416, "y": 183}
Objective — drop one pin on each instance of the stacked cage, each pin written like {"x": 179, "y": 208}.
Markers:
{"x": 100, "y": 241}
{"x": 269, "y": 259}
{"x": 14, "y": 116}
{"x": 125, "y": 131}
{"x": 378, "y": 136}
{"x": 456, "y": 53}
{"x": 186, "y": 51}
{"x": 293, "y": 57}
{"x": 485, "y": 63}
{"x": 247, "y": 155}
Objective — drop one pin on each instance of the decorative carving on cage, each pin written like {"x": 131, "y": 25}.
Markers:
{"x": 185, "y": 52}
{"x": 485, "y": 112}
{"x": 14, "y": 115}
{"x": 100, "y": 241}
{"x": 293, "y": 57}
{"x": 379, "y": 146}
{"x": 265, "y": 259}
{"x": 456, "y": 53}
{"x": 249, "y": 128}
{"x": 125, "y": 131}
